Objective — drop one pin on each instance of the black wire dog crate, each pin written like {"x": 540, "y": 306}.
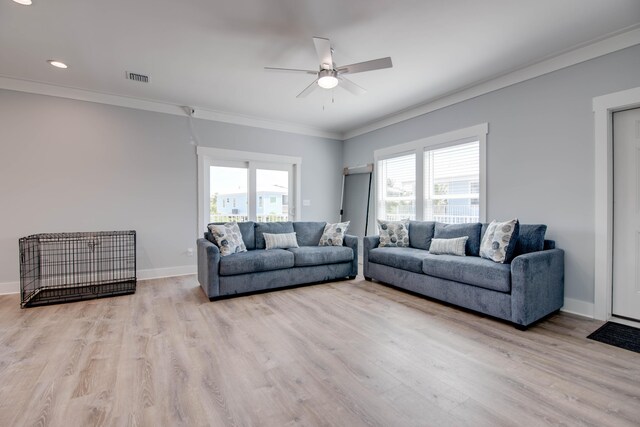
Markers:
{"x": 63, "y": 267}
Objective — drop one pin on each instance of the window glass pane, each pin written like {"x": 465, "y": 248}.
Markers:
{"x": 397, "y": 188}
{"x": 228, "y": 194}
{"x": 272, "y": 195}
{"x": 452, "y": 183}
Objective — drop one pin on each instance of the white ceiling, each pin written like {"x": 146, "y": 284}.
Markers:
{"x": 210, "y": 54}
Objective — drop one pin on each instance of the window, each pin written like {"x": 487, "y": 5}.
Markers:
{"x": 240, "y": 186}
{"x": 452, "y": 183}
{"x": 397, "y": 188}
{"x": 228, "y": 186}
{"x": 440, "y": 178}
{"x": 273, "y": 185}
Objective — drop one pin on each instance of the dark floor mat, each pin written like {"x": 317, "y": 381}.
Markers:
{"x": 622, "y": 336}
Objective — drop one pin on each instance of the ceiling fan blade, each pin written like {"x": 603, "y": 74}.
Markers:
{"x": 375, "y": 64}
{"x": 351, "y": 86}
{"x": 313, "y": 86}
{"x": 291, "y": 70}
{"x": 323, "y": 49}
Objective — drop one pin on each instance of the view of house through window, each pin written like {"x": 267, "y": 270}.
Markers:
{"x": 272, "y": 194}
{"x": 452, "y": 183}
{"x": 228, "y": 189}
{"x": 397, "y": 188}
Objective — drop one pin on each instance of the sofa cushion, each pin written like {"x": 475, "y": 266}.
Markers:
{"x": 247, "y": 229}
{"x": 409, "y": 259}
{"x": 450, "y": 231}
{"x": 254, "y": 261}
{"x": 309, "y": 233}
{"x": 272, "y": 228}
{"x": 320, "y": 255}
{"x": 420, "y": 234}
{"x": 530, "y": 238}
{"x": 470, "y": 270}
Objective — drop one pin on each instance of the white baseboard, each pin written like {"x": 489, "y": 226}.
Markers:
{"x": 579, "y": 307}
{"x": 9, "y": 288}
{"x": 152, "y": 273}
{"x": 158, "y": 273}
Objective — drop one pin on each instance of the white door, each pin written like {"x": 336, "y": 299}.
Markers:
{"x": 626, "y": 214}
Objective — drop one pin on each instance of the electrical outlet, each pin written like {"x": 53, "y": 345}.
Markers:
{"x": 189, "y": 252}
{"x": 306, "y": 202}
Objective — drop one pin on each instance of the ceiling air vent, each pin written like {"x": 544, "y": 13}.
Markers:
{"x": 137, "y": 77}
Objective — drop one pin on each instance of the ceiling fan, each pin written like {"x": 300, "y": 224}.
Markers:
{"x": 329, "y": 75}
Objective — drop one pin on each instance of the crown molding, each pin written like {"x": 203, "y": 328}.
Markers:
{"x": 611, "y": 43}
{"x": 40, "y": 88}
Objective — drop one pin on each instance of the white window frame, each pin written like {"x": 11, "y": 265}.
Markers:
{"x": 418, "y": 147}
{"x": 208, "y": 157}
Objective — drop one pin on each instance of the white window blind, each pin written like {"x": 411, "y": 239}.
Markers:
{"x": 397, "y": 187}
{"x": 452, "y": 183}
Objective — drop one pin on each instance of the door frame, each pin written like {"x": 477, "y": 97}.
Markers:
{"x": 603, "y": 108}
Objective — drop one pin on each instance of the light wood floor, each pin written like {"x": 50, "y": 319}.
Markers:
{"x": 348, "y": 353}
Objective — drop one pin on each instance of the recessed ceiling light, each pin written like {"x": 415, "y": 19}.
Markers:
{"x": 57, "y": 64}
{"x": 24, "y": 2}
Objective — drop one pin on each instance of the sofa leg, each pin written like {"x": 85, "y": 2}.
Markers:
{"x": 351, "y": 277}
{"x": 368, "y": 279}
{"x": 521, "y": 327}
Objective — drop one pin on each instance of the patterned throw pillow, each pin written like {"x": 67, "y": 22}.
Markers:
{"x": 499, "y": 241}
{"x": 333, "y": 234}
{"x": 228, "y": 238}
{"x": 453, "y": 246}
{"x": 394, "y": 233}
{"x": 280, "y": 240}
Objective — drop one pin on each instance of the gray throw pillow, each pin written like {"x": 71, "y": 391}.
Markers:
{"x": 228, "y": 238}
{"x": 499, "y": 241}
{"x": 394, "y": 233}
{"x": 471, "y": 230}
{"x": 333, "y": 234}
{"x": 280, "y": 241}
{"x": 454, "y": 246}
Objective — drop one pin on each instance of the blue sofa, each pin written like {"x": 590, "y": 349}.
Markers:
{"x": 522, "y": 292}
{"x": 260, "y": 269}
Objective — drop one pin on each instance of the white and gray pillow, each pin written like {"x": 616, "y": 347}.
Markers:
{"x": 228, "y": 238}
{"x": 394, "y": 233}
{"x": 453, "y": 246}
{"x": 280, "y": 240}
{"x": 333, "y": 234}
{"x": 499, "y": 241}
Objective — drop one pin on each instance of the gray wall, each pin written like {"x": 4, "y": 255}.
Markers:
{"x": 69, "y": 165}
{"x": 540, "y": 152}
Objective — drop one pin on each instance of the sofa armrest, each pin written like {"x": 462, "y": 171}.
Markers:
{"x": 368, "y": 243}
{"x": 208, "y": 267}
{"x": 537, "y": 285}
{"x": 352, "y": 242}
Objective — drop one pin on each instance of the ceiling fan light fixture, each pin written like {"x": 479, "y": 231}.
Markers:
{"x": 327, "y": 79}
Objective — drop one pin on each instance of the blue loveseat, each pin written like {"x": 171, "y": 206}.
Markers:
{"x": 260, "y": 269}
{"x": 526, "y": 290}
